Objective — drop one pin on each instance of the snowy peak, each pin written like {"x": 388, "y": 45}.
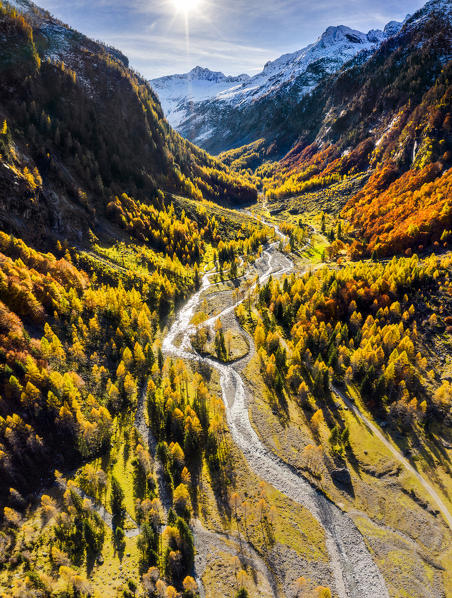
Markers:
{"x": 203, "y": 74}
{"x": 338, "y": 44}
{"x": 305, "y": 68}
{"x": 180, "y": 94}
{"x": 198, "y": 74}
{"x": 194, "y": 102}
{"x": 443, "y": 7}
{"x": 393, "y": 28}
{"x": 341, "y": 34}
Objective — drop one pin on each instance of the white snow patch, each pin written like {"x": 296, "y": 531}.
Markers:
{"x": 205, "y": 135}
{"x": 21, "y": 5}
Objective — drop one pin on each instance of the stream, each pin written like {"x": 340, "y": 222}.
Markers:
{"x": 354, "y": 571}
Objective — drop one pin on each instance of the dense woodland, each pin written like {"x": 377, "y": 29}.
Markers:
{"x": 109, "y": 220}
{"x": 88, "y": 130}
{"x": 77, "y": 351}
{"x": 80, "y": 326}
{"x": 357, "y": 326}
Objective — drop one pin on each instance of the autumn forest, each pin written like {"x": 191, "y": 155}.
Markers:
{"x": 232, "y": 375}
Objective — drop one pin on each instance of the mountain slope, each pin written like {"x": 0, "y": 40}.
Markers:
{"x": 88, "y": 172}
{"x": 90, "y": 127}
{"x": 388, "y": 118}
{"x": 195, "y": 103}
{"x": 120, "y": 460}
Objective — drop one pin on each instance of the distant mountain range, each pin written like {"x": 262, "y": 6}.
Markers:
{"x": 178, "y": 92}
{"x": 362, "y": 118}
{"x": 221, "y": 113}
{"x": 374, "y": 106}
{"x": 189, "y": 100}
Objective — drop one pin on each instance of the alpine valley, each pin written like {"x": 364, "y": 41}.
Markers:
{"x": 226, "y": 318}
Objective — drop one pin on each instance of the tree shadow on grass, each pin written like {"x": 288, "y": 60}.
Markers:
{"x": 222, "y": 477}
{"x": 279, "y": 406}
{"x": 91, "y": 558}
{"x": 119, "y": 540}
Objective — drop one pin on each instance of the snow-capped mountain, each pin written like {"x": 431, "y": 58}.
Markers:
{"x": 221, "y": 113}
{"x": 185, "y": 97}
{"x": 335, "y": 47}
{"x": 177, "y": 92}
{"x": 441, "y": 7}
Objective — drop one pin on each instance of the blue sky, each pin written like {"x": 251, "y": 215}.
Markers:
{"x": 232, "y": 36}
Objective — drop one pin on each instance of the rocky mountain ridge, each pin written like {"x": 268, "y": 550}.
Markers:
{"x": 188, "y": 100}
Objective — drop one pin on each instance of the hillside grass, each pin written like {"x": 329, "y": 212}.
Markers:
{"x": 381, "y": 490}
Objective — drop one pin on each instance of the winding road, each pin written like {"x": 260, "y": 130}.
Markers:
{"x": 354, "y": 571}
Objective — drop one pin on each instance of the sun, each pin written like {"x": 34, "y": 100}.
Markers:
{"x": 187, "y": 5}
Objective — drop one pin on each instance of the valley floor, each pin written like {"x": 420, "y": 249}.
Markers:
{"x": 278, "y": 530}
{"x": 384, "y": 532}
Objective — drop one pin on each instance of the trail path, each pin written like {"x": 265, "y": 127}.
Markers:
{"x": 398, "y": 455}
{"x": 354, "y": 571}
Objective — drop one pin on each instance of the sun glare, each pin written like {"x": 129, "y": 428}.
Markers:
{"x": 187, "y": 5}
